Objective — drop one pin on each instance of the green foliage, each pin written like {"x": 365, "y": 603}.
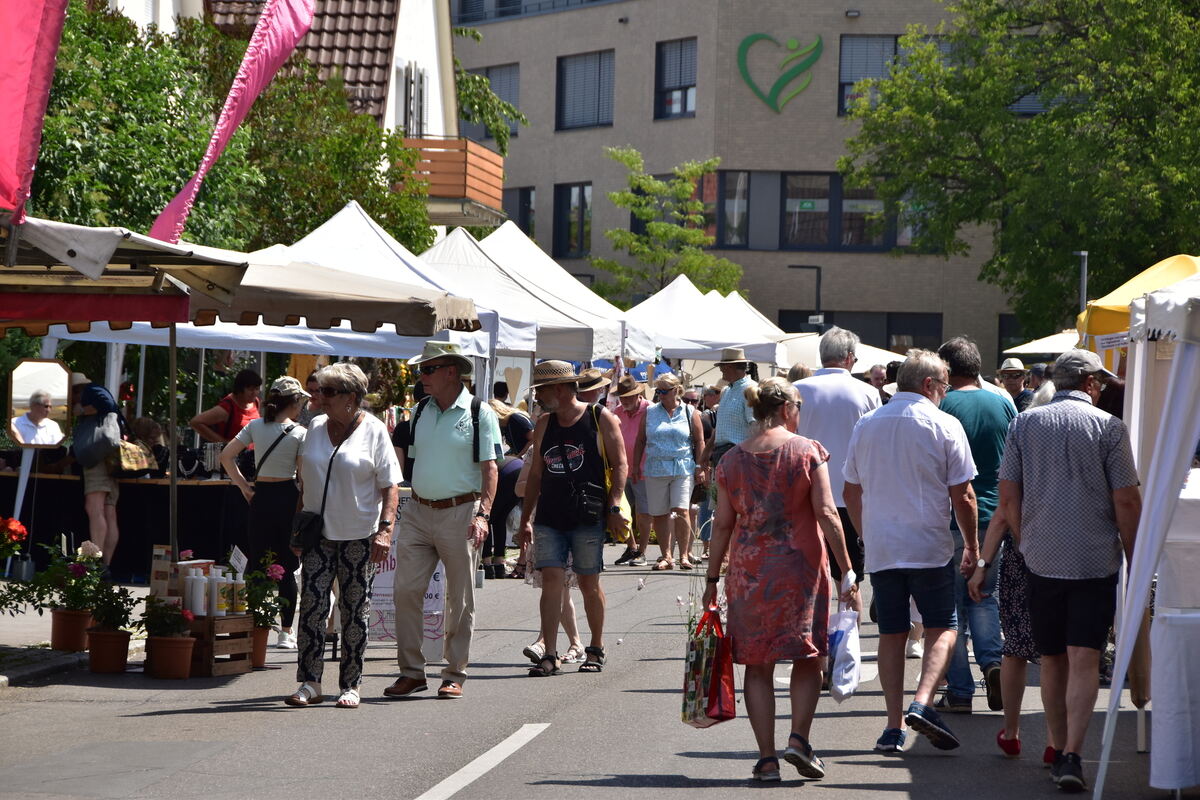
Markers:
{"x": 112, "y": 607}
{"x": 69, "y": 583}
{"x": 675, "y": 239}
{"x": 479, "y": 104}
{"x": 1109, "y": 167}
{"x": 262, "y": 592}
{"x": 161, "y": 618}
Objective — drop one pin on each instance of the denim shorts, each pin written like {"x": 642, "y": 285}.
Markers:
{"x": 932, "y": 589}
{"x": 585, "y": 545}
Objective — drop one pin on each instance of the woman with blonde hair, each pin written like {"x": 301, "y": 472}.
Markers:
{"x": 774, "y": 512}
{"x": 672, "y": 440}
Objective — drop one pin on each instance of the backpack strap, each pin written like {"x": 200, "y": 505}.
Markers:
{"x": 476, "y": 404}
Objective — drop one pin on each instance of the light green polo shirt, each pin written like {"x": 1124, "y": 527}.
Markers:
{"x": 444, "y": 452}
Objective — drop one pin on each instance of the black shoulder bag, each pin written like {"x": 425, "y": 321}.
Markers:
{"x": 308, "y": 527}
{"x": 585, "y": 500}
{"x": 271, "y": 449}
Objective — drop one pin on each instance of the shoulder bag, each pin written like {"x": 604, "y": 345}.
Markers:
{"x": 308, "y": 527}
{"x": 271, "y": 449}
{"x": 96, "y": 438}
{"x": 626, "y": 513}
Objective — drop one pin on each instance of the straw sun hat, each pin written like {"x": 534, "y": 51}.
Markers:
{"x": 549, "y": 373}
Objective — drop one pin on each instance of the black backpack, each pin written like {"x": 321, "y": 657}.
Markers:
{"x": 476, "y": 404}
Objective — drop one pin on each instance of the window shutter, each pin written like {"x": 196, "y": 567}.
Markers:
{"x": 585, "y": 89}
{"x": 866, "y": 57}
{"x": 607, "y": 75}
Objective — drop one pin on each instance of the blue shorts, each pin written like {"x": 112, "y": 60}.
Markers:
{"x": 585, "y": 546}
{"x": 932, "y": 589}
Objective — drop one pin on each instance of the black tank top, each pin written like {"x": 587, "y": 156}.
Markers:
{"x": 572, "y": 448}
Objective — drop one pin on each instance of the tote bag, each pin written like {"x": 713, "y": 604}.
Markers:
{"x": 708, "y": 693}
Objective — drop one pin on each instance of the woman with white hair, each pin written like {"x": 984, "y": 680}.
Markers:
{"x": 350, "y": 474}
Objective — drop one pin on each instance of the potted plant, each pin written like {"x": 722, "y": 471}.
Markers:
{"x": 68, "y": 588}
{"x": 13, "y": 536}
{"x": 168, "y": 640}
{"x": 108, "y": 643}
{"x": 265, "y": 604}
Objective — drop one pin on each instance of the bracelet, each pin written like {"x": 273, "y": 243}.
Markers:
{"x": 483, "y": 514}
{"x": 712, "y": 579}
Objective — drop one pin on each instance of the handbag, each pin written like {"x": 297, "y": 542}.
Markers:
{"x": 708, "y": 692}
{"x": 135, "y": 459}
{"x": 844, "y": 653}
{"x": 623, "y": 534}
{"x": 585, "y": 500}
{"x": 97, "y": 436}
{"x": 308, "y": 527}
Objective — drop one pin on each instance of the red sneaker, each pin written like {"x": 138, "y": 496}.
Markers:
{"x": 1011, "y": 747}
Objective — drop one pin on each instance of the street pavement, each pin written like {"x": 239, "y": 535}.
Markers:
{"x": 613, "y": 735}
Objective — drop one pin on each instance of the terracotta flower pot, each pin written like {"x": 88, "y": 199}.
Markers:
{"x": 169, "y": 656}
{"x": 68, "y": 629}
{"x": 259, "y": 637}
{"x": 107, "y": 650}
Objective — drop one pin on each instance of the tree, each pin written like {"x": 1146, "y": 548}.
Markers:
{"x": 671, "y": 237}
{"x": 477, "y": 102}
{"x": 1108, "y": 165}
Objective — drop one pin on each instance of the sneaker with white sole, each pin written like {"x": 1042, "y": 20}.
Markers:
{"x": 285, "y": 641}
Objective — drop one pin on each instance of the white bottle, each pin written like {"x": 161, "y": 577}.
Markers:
{"x": 187, "y": 591}
{"x": 480, "y": 574}
{"x": 238, "y": 593}
{"x": 216, "y": 594}
{"x": 199, "y": 594}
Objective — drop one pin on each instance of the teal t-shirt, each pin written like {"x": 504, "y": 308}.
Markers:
{"x": 985, "y": 417}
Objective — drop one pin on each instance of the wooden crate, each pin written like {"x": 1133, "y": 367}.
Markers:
{"x": 222, "y": 645}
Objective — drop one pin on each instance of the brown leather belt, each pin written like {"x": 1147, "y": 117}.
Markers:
{"x": 449, "y": 502}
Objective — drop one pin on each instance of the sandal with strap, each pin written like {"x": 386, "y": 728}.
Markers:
{"x": 595, "y": 660}
{"x": 547, "y": 667}
{"x": 574, "y": 654}
{"x": 308, "y": 694}
{"x": 663, "y": 563}
{"x": 760, "y": 772}
{"x": 807, "y": 763}
{"x": 686, "y": 565}
{"x": 349, "y": 699}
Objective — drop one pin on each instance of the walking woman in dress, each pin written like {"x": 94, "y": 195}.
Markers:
{"x": 774, "y": 513}
{"x": 277, "y": 442}
{"x": 351, "y": 450}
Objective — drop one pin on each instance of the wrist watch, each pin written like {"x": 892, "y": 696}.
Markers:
{"x": 614, "y": 509}
{"x": 981, "y": 564}
{"x": 385, "y": 523}
{"x": 482, "y": 513}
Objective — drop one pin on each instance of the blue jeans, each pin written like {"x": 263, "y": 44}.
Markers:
{"x": 703, "y": 519}
{"x": 980, "y": 622}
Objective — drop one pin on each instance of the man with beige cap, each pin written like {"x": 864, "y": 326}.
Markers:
{"x": 455, "y": 445}
{"x": 1012, "y": 374}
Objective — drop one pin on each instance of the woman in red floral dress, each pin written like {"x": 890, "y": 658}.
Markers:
{"x": 774, "y": 513}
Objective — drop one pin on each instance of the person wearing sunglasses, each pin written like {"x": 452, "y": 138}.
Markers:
{"x": 35, "y": 425}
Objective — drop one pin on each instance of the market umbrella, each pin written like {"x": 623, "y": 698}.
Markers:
{"x": 1052, "y": 345}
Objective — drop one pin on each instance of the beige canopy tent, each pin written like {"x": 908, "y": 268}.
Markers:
{"x": 1055, "y": 344}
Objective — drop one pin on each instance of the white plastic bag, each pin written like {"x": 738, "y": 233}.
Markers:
{"x": 844, "y": 653}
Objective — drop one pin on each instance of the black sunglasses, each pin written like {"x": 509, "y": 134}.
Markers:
{"x": 691, "y": 401}
{"x": 429, "y": 369}
{"x": 329, "y": 391}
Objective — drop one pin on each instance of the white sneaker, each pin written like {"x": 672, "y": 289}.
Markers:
{"x": 286, "y": 641}
{"x": 914, "y": 649}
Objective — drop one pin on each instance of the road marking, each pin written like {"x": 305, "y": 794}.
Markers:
{"x": 482, "y": 765}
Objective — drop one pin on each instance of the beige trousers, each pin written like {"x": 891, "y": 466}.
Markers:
{"x": 425, "y": 536}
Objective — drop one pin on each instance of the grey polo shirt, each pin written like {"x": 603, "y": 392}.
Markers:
{"x": 1069, "y": 457}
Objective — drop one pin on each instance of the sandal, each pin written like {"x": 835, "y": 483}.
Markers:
{"x": 574, "y": 654}
{"x": 663, "y": 563}
{"x": 535, "y": 652}
{"x": 548, "y": 666}
{"x": 518, "y": 572}
{"x": 686, "y": 565}
{"x": 308, "y": 694}
{"x": 808, "y": 764}
{"x": 595, "y": 660}
{"x": 766, "y": 775}
{"x": 349, "y": 699}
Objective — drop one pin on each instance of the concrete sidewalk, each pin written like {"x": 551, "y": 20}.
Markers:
{"x": 25, "y": 653}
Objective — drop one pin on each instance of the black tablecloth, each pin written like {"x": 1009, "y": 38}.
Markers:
{"x": 212, "y": 519}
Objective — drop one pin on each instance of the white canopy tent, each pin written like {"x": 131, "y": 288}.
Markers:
{"x": 1170, "y": 315}
{"x": 520, "y": 256}
{"x": 1054, "y": 344}
{"x": 562, "y": 331}
{"x": 805, "y": 349}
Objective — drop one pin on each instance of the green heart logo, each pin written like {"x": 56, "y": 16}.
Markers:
{"x": 805, "y": 57}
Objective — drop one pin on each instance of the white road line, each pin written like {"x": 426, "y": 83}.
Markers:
{"x": 480, "y": 766}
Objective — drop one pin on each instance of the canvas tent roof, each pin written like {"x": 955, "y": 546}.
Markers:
{"x": 1049, "y": 345}
{"x": 520, "y": 256}
{"x": 805, "y": 348}
{"x": 564, "y": 333}
{"x": 1110, "y": 313}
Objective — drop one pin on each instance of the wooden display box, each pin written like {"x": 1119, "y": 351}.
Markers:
{"x": 222, "y": 645}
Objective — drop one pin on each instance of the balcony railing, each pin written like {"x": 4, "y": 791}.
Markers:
{"x": 466, "y": 181}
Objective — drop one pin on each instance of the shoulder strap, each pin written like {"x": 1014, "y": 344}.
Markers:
{"x": 416, "y": 415}
{"x": 271, "y": 449}
{"x": 476, "y": 404}
{"x": 595, "y": 409}
{"x": 329, "y": 466}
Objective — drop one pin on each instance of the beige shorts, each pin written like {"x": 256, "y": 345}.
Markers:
{"x": 100, "y": 479}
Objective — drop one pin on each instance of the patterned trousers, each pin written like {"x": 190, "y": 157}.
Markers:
{"x": 350, "y": 563}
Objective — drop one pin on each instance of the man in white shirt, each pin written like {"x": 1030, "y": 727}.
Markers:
{"x": 833, "y": 401}
{"x": 908, "y": 464}
{"x": 35, "y": 425}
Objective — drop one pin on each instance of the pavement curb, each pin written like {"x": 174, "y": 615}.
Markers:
{"x": 41, "y": 662}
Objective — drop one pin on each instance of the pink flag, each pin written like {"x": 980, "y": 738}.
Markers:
{"x": 281, "y": 26}
{"x": 29, "y": 39}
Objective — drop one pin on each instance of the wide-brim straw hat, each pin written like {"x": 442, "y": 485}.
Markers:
{"x": 438, "y": 349}
{"x": 594, "y": 378}
{"x": 550, "y": 373}
{"x": 628, "y": 385}
{"x": 733, "y": 355}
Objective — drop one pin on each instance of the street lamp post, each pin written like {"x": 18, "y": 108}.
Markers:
{"x": 1083, "y": 254}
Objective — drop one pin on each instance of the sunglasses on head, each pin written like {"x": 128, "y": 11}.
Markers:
{"x": 429, "y": 369}
{"x": 329, "y": 391}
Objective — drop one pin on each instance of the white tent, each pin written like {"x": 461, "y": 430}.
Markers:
{"x": 805, "y": 349}
{"x": 1170, "y": 316}
{"x": 753, "y": 316}
{"x": 563, "y": 331}
{"x": 520, "y": 256}
{"x": 1054, "y": 344}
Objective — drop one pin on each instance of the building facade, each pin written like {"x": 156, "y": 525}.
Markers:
{"x": 764, "y": 86}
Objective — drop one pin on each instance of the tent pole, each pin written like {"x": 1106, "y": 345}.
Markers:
{"x": 141, "y": 380}
{"x": 200, "y": 390}
{"x": 173, "y": 443}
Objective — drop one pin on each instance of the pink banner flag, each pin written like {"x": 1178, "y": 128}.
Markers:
{"x": 29, "y": 38}
{"x": 281, "y": 26}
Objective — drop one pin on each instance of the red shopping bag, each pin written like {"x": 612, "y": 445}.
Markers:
{"x": 708, "y": 695}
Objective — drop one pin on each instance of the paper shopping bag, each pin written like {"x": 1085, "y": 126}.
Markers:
{"x": 708, "y": 694}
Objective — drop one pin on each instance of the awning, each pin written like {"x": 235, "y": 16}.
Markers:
{"x": 1054, "y": 344}
{"x": 1110, "y": 314}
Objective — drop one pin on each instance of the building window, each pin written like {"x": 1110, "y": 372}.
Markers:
{"x": 733, "y": 214}
{"x": 505, "y": 81}
{"x": 412, "y": 86}
{"x": 1009, "y": 334}
{"x": 585, "y": 90}
{"x": 862, "y": 57}
{"x": 675, "y": 79}
{"x": 572, "y": 220}
{"x": 519, "y": 206}
{"x": 471, "y": 11}
{"x": 819, "y": 213}
{"x": 508, "y": 8}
